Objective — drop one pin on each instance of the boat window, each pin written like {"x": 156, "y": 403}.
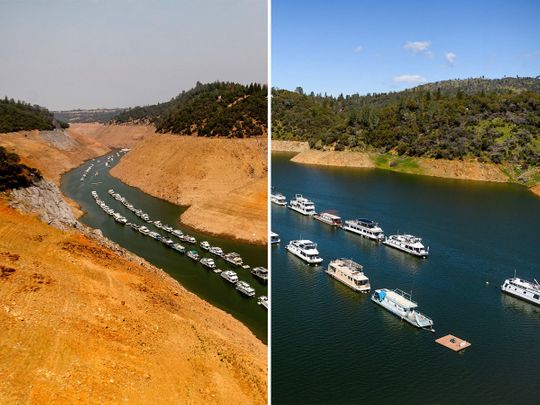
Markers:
{"x": 536, "y": 296}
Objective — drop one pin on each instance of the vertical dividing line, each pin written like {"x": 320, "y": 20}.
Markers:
{"x": 269, "y": 216}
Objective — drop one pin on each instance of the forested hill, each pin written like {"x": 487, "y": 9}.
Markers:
{"x": 213, "y": 109}
{"x": 490, "y": 120}
{"x": 18, "y": 116}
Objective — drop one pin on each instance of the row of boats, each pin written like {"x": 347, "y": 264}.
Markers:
{"x": 351, "y": 274}
{"x": 83, "y": 177}
{"x": 364, "y": 227}
{"x": 208, "y": 262}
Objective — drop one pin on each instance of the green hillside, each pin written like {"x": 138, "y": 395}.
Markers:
{"x": 18, "y": 116}
{"x": 213, "y": 109}
{"x": 489, "y": 120}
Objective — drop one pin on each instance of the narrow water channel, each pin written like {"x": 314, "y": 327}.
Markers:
{"x": 192, "y": 275}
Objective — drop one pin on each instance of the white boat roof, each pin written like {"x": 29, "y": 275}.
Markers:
{"x": 273, "y": 234}
{"x": 525, "y": 284}
{"x": 400, "y": 299}
{"x": 304, "y": 241}
{"x": 332, "y": 216}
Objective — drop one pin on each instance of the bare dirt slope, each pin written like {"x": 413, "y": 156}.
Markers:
{"x": 82, "y": 324}
{"x": 223, "y": 180}
{"x": 331, "y": 158}
{"x": 457, "y": 169}
{"x": 56, "y": 152}
{"x": 52, "y": 153}
{"x": 114, "y": 136}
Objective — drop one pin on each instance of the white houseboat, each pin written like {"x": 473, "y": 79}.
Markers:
{"x": 349, "y": 273}
{"x": 526, "y": 290}
{"x": 400, "y": 304}
{"x": 260, "y": 272}
{"x": 230, "y": 276}
{"x": 274, "y": 238}
{"x": 245, "y": 288}
{"x": 305, "y": 250}
{"x": 407, "y": 243}
{"x": 365, "y": 227}
{"x": 302, "y": 205}
{"x": 278, "y": 199}
{"x": 328, "y": 218}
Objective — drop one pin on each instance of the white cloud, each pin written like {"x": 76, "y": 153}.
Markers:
{"x": 417, "y": 46}
{"x": 410, "y": 79}
{"x": 450, "y": 57}
{"x": 358, "y": 49}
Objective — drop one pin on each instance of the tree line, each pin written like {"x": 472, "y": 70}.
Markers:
{"x": 212, "y": 109}
{"x": 488, "y": 120}
{"x": 19, "y": 116}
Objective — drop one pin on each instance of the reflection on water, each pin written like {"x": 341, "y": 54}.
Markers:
{"x": 517, "y": 304}
{"x": 363, "y": 353}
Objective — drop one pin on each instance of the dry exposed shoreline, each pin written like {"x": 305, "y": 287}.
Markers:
{"x": 91, "y": 323}
{"x": 224, "y": 181}
{"x": 454, "y": 169}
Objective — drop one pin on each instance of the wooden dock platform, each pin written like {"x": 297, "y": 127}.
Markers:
{"x": 452, "y": 342}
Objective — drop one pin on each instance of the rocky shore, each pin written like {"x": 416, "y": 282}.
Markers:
{"x": 85, "y": 320}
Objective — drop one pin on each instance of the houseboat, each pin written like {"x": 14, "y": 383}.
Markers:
{"x": 365, "y": 227}
{"x": 328, "y": 218}
{"x": 526, "y": 290}
{"x": 192, "y": 254}
{"x": 233, "y": 258}
{"x": 278, "y": 199}
{"x": 305, "y": 250}
{"x": 208, "y": 262}
{"x": 274, "y": 238}
{"x": 230, "y": 276}
{"x": 400, "y": 304}
{"x": 260, "y": 272}
{"x": 302, "y": 205}
{"x": 245, "y": 288}
{"x": 407, "y": 243}
{"x": 349, "y": 273}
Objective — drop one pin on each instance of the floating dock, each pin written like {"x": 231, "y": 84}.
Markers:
{"x": 452, "y": 342}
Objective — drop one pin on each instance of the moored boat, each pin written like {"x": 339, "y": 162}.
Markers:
{"x": 216, "y": 250}
{"x": 230, "y": 276}
{"x": 400, "y": 304}
{"x": 302, "y": 205}
{"x": 233, "y": 258}
{"x": 278, "y": 199}
{"x": 407, "y": 243}
{"x": 263, "y": 301}
{"x": 364, "y": 227}
{"x": 328, "y": 218}
{"x": 208, "y": 262}
{"x": 193, "y": 254}
{"x": 245, "y": 288}
{"x": 305, "y": 250}
{"x": 260, "y": 272}
{"x": 349, "y": 273}
{"x": 179, "y": 248}
{"x": 526, "y": 290}
{"x": 274, "y": 238}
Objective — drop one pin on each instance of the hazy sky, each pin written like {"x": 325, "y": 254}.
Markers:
{"x": 349, "y": 46}
{"x": 66, "y": 54}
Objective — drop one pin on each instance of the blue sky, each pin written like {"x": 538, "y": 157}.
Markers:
{"x": 378, "y": 46}
{"x": 65, "y": 54}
